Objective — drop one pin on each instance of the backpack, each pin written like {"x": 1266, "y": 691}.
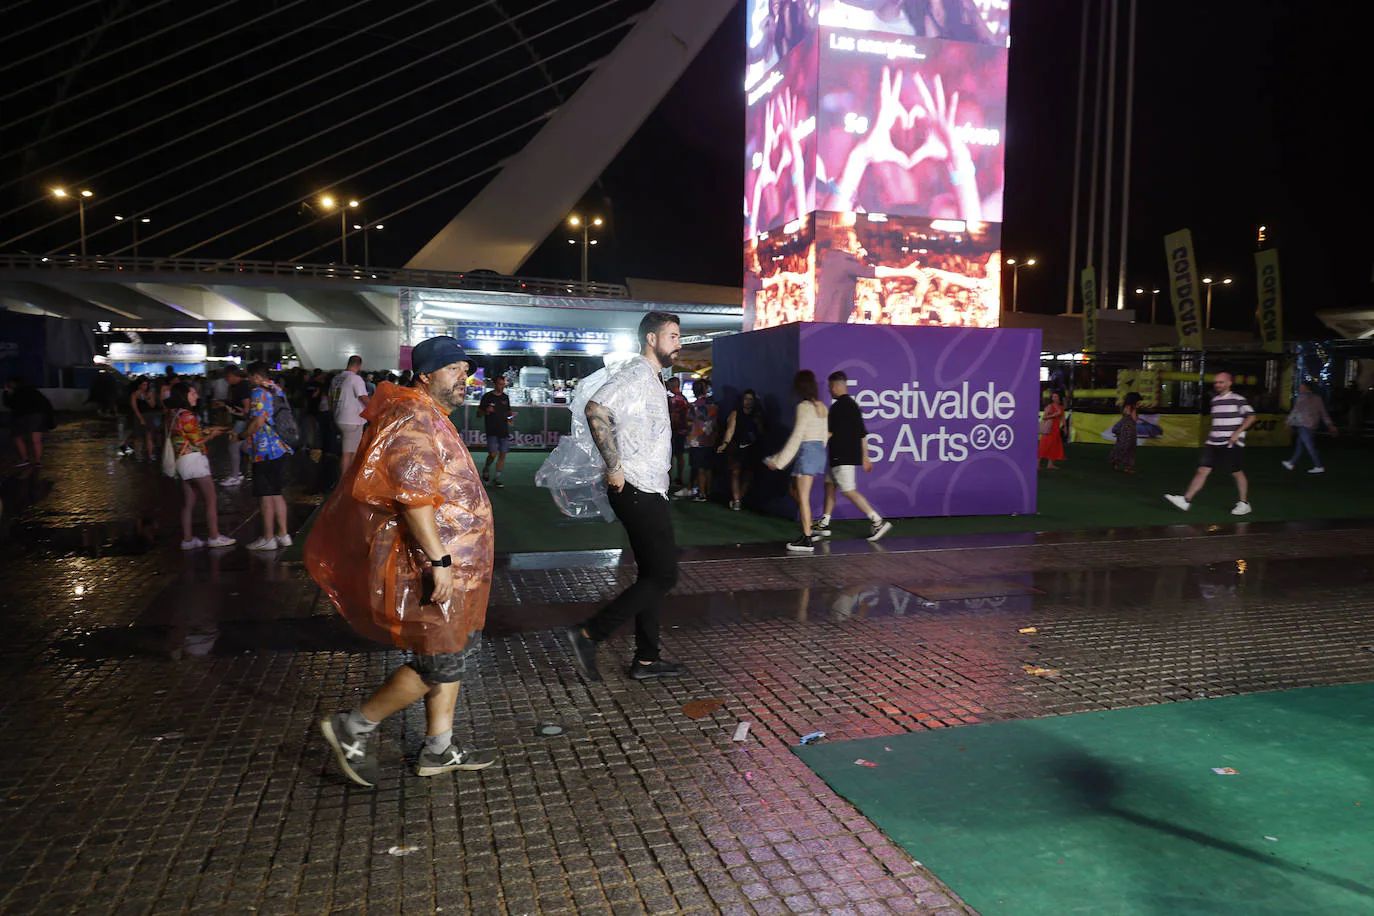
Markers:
{"x": 284, "y": 420}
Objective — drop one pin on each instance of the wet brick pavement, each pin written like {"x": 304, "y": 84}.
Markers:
{"x": 159, "y": 723}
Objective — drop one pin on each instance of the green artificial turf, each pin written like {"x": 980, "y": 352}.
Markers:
{"x": 1120, "y": 812}
{"x": 1084, "y": 493}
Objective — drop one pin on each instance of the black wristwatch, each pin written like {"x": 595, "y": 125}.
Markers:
{"x": 445, "y": 561}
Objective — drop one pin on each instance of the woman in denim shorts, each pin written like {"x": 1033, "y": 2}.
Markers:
{"x": 807, "y": 446}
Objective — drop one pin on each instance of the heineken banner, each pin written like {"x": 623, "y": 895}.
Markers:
{"x": 1270, "y": 299}
{"x": 1088, "y": 282}
{"x": 1184, "y": 288}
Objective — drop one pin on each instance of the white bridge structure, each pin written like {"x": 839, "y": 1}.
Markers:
{"x": 331, "y": 311}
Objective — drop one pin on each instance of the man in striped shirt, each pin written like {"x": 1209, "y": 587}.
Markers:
{"x": 1232, "y": 415}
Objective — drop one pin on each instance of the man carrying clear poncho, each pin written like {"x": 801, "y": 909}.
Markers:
{"x": 404, "y": 549}
{"x": 615, "y": 465}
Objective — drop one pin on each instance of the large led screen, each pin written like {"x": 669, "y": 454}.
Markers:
{"x": 779, "y": 285}
{"x": 912, "y": 126}
{"x": 775, "y": 27}
{"x": 780, "y": 144}
{"x": 877, "y": 269}
{"x": 982, "y": 21}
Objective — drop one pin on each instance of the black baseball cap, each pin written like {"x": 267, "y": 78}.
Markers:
{"x": 436, "y": 353}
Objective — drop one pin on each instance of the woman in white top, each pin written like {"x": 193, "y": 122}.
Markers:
{"x": 807, "y": 444}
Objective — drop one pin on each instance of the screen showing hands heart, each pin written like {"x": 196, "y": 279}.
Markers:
{"x": 911, "y": 126}
{"x": 875, "y": 161}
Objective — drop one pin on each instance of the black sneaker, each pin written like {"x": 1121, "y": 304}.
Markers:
{"x": 499, "y": 485}
{"x": 357, "y": 754}
{"x": 880, "y": 528}
{"x": 584, "y": 653}
{"x": 453, "y": 758}
{"x": 820, "y": 529}
{"x": 804, "y": 544}
{"x": 652, "y": 670}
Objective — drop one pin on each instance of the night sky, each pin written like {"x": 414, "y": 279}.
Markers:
{"x": 1247, "y": 112}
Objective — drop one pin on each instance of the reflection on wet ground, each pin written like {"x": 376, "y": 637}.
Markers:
{"x": 201, "y": 637}
{"x": 96, "y": 539}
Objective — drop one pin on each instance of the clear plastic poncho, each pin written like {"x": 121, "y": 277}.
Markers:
{"x": 360, "y": 552}
{"x": 574, "y": 473}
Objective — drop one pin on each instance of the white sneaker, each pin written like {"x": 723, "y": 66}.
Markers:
{"x": 263, "y": 544}
{"x": 1316, "y": 470}
{"x": 192, "y": 544}
{"x": 283, "y": 540}
{"x": 221, "y": 541}
{"x": 1179, "y": 501}
{"x": 1242, "y": 509}
{"x": 232, "y": 481}
{"x": 879, "y": 529}
{"x": 1288, "y": 465}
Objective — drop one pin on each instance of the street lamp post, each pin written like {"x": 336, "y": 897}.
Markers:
{"x": 133, "y": 222}
{"x": 1016, "y": 276}
{"x": 81, "y": 198}
{"x": 587, "y": 241}
{"x": 1154, "y": 297}
{"x": 328, "y": 203}
{"x": 1211, "y": 285}
{"x": 365, "y": 228}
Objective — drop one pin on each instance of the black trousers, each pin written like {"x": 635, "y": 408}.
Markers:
{"x": 649, "y": 525}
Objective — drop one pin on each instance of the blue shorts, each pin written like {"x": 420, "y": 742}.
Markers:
{"x": 498, "y": 444}
{"x": 810, "y": 461}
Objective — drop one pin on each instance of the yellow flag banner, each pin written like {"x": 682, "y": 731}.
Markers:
{"x": 1270, "y": 299}
{"x": 1088, "y": 285}
{"x": 1183, "y": 288}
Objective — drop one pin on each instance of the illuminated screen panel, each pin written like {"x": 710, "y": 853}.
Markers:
{"x": 779, "y": 276}
{"x": 774, "y": 28}
{"x": 780, "y": 143}
{"x": 981, "y": 21}
{"x": 874, "y": 269}
{"x": 911, "y": 126}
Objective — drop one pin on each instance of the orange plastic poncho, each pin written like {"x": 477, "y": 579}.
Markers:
{"x": 360, "y": 552}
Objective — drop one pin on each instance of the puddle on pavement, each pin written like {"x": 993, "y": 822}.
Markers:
{"x": 96, "y": 539}
{"x": 816, "y": 605}
{"x": 202, "y": 638}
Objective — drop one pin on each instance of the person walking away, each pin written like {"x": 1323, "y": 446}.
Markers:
{"x": 270, "y": 455}
{"x": 496, "y": 414}
{"x": 1052, "y": 432}
{"x": 310, "y": 420}
{"x": 1122, "y": 457}
{"x": 348, "y": 410}
{"x": 628, "y": 420}
{"x": 240, "y": 396}
{"x": 847, "y": 455}
{"x": 1232, "y": 415}
{"x": 1308, "y": 414}
{"x": 31, "y": 415}
{"x": 703, "y": 418}
{"x": 810, "y": 430}
{"x": 404, "y": 550}
{"x": 141, "y": 409}
{"x": 743, "y": 436}
{"x": 193, "y": 467}
{"x": 677, "y": 417}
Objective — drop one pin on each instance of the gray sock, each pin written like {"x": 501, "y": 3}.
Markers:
{"x": 360, "y": 724}
{"x": 437, "y": 744}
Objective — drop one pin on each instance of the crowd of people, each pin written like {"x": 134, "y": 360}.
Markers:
{"x": 261, "y": 422}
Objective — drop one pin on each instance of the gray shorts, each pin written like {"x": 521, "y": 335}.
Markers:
{"x": 449, "y": 667}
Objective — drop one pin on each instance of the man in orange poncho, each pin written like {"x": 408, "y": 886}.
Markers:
{"x": 404, "y": 550}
